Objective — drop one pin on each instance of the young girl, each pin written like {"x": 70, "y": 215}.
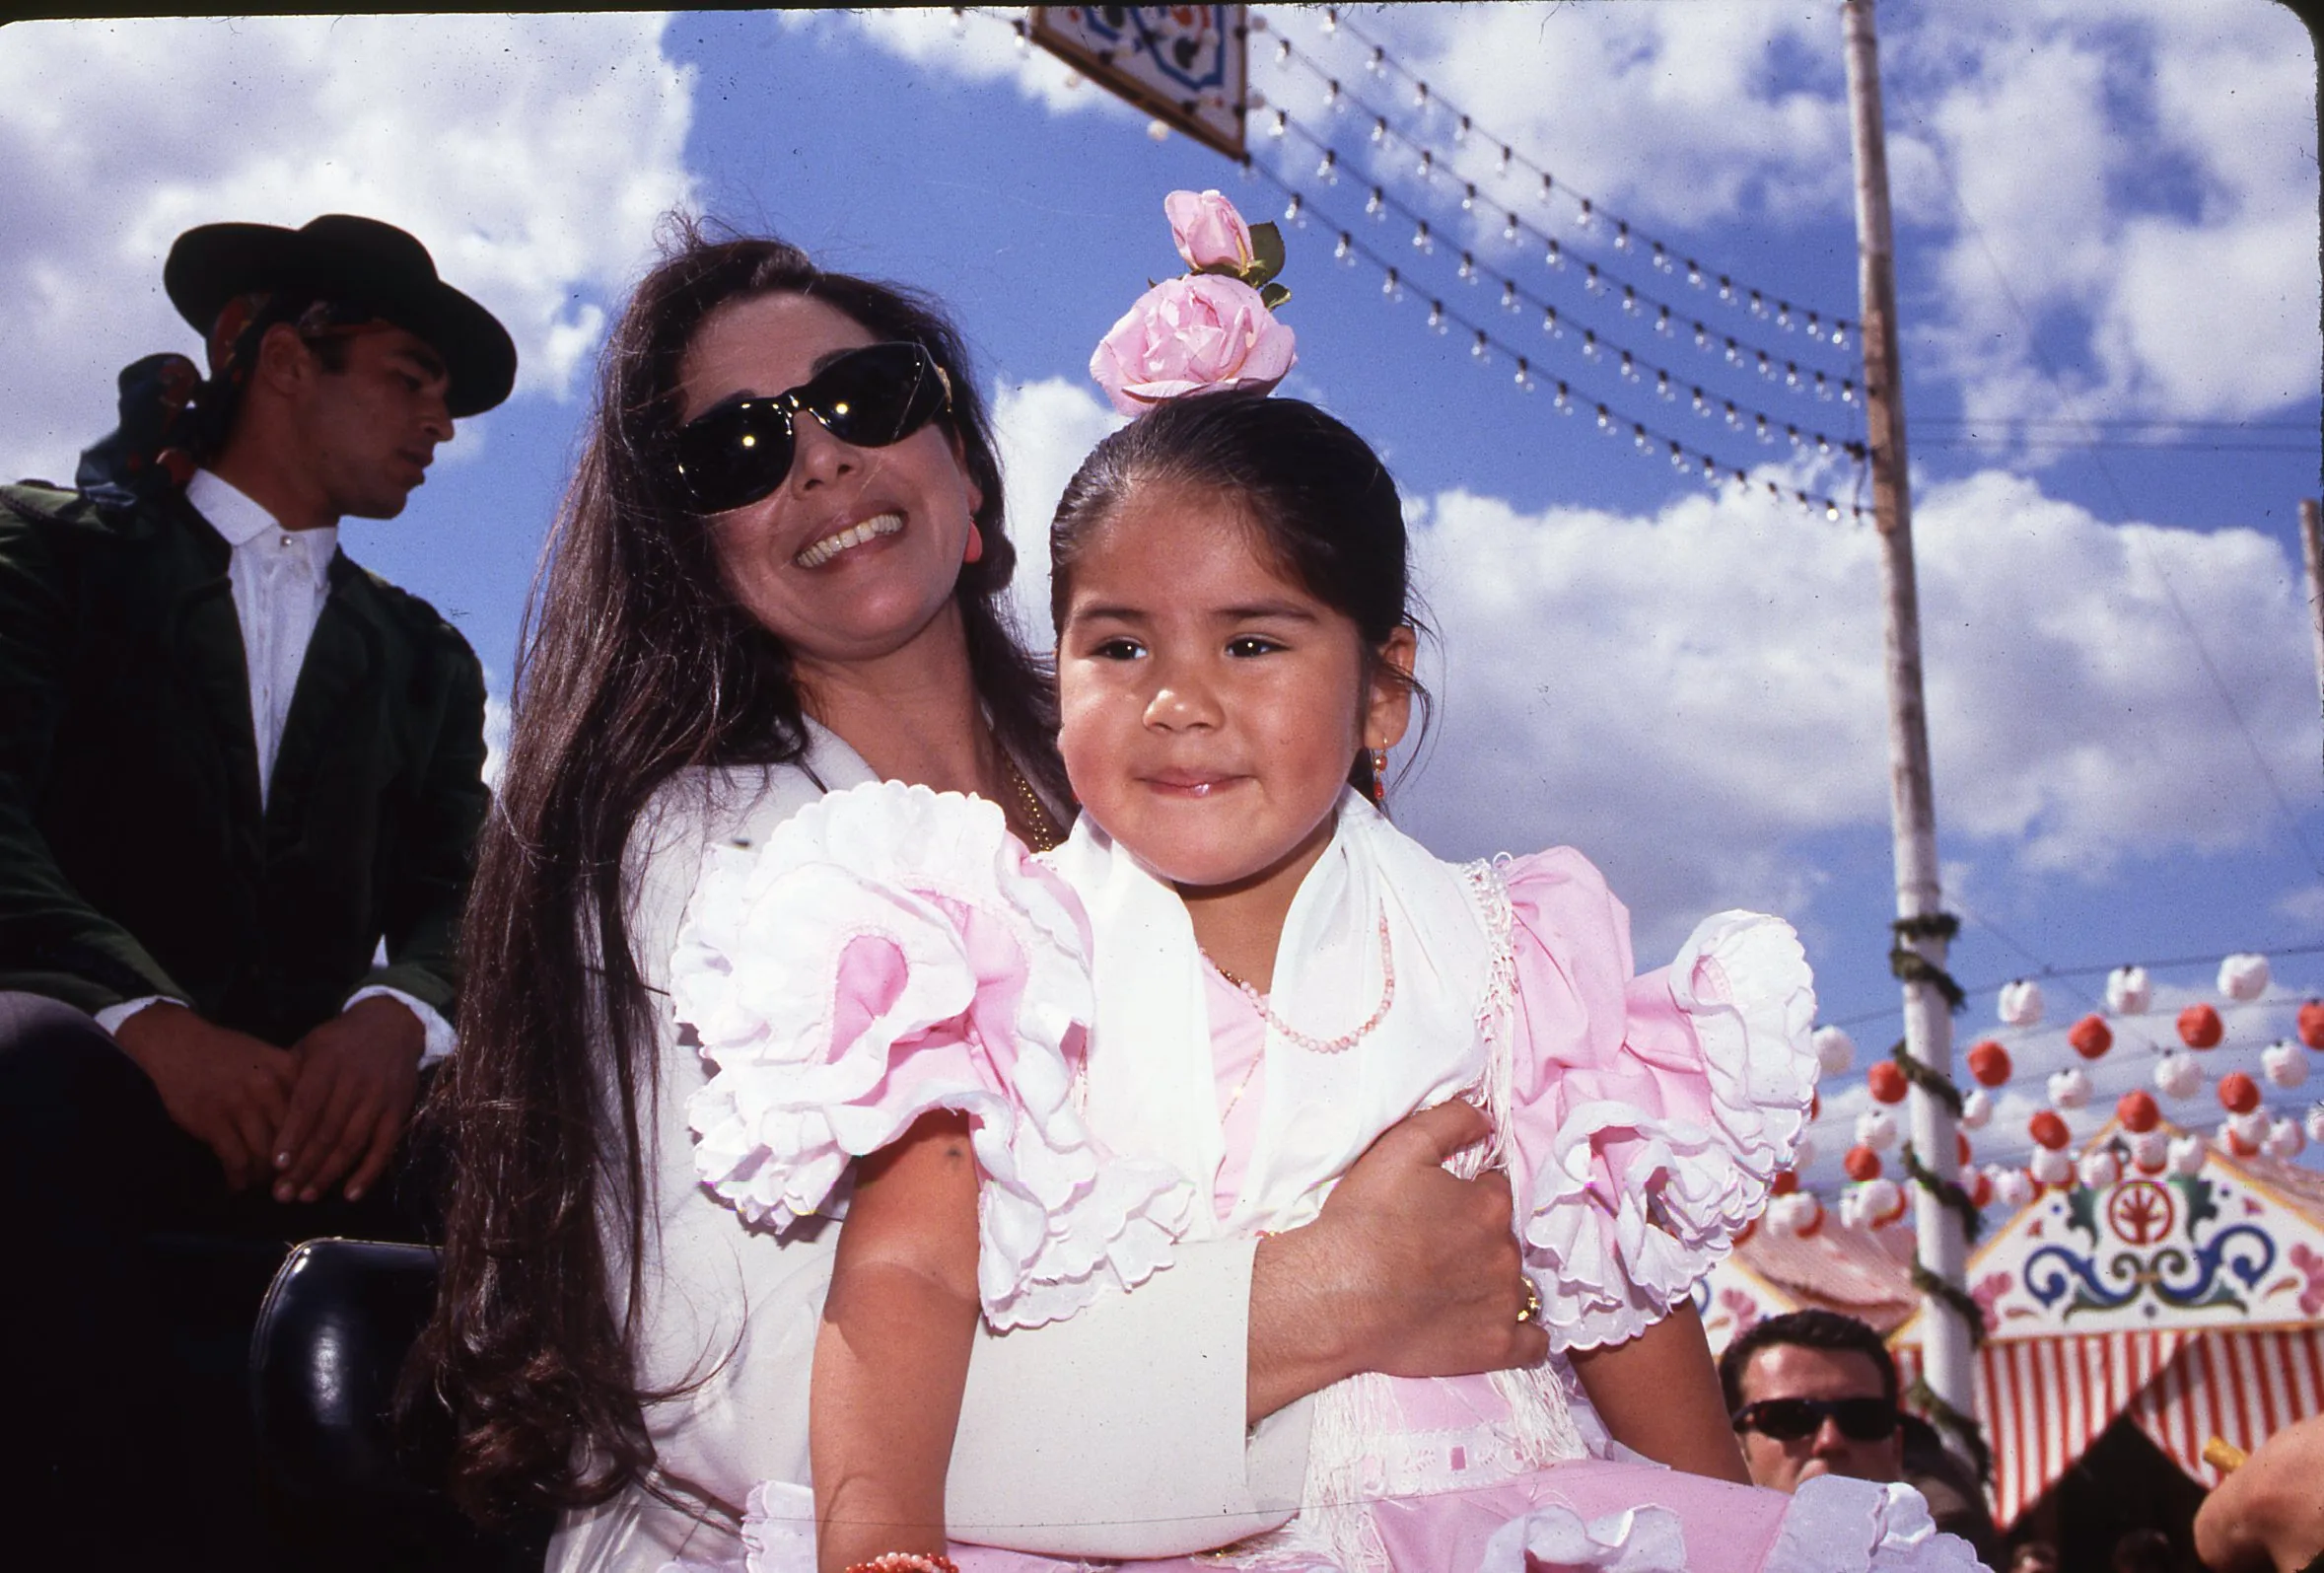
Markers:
{"x": 1027, "y": 1078}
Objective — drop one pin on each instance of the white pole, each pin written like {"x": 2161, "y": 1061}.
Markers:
{"x": 1946, "y": 1348}
{"x": 2311, "y": 539}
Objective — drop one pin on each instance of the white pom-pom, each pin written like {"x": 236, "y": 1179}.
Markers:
{"x": 2013, "y": 1187}
{"x": 2068, "y": 1088}
{"x": 2177, "y": 1076}
{"x": 2052, "y": 1166}
{"x": 1795, "y": 1214}
{"x": 1976, "y": 1108}
{"x": 2150, "y": 1149}
{"x": 2186, "y": 1154}
{"x": 2128, "y": 992}
{"x": 2243, "y": 977}
{"x": 2286, "y": 1063}
{"x": 1875, "y": 1128}
{"x": 2098, "y": 1167}
{"x": 1835, "y": 1050}
{"x": 2021, "y": 1003}
{"x": 2284, "y": 1139}
{"x": 2315, "y": 1122}
{"x": 1881, "y": 1201}
{"x": 1851, "y": 1210}
{"x": 1804, "y": 1152}
{"x": 2250, "y": 1128}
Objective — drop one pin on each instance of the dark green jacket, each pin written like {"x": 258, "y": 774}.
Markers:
{"x": 134, "y": 856}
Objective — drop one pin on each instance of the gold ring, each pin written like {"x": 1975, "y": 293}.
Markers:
{"x": 1532, "y": 1299}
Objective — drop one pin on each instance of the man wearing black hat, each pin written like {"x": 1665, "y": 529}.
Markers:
{"x": 240, "y": 781}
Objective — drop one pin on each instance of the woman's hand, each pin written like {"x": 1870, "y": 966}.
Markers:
{"x": 2268, "y": 1515}
{"x": 1408, "y": 1271}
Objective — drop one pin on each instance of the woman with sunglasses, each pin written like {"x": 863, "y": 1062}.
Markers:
{"x": 780, "y": 570}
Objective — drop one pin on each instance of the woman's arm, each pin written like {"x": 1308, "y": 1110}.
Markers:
{"x": 892, "y": 1352}
{"x": 1407, "y": 1270}
{"x": 1660, "y": 1394}
{"x": 2268, "y": 1517}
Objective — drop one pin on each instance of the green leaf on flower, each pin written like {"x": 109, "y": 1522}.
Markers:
{"x": 1273, "y": 295}
{"x": 1220, "y": 269}
{"x": 1266, "y": 254}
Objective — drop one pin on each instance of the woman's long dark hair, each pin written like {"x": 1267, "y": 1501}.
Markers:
{"x": 635, "y": 663}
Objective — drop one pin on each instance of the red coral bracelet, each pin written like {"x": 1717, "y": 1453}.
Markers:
{"x": 906, "y": 1562}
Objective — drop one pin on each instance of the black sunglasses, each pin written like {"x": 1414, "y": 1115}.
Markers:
{"x": 871, "y": 397}
{"x": 1794, "y": 1419}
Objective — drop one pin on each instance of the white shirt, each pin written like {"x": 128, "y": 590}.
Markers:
{"x": 281, "y": 579}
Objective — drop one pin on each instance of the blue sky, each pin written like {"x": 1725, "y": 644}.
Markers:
{"x": 2107, "y": 240}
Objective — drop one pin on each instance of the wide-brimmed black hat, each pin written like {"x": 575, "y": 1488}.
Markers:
{"x": 341, "y": 257}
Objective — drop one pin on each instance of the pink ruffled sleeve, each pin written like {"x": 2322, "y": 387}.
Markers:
{"x": 1649, "y": 1113}
{"x": 889, "y": 952}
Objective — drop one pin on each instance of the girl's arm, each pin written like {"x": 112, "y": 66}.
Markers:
{"x": 1660, "y": 1394}
{"x": 892, "y": 1352}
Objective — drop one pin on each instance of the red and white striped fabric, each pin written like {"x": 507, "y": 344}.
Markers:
{"x": 2045, "y": 1401}
{"x": 2244, "y": 1387}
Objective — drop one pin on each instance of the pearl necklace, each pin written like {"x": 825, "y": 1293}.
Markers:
{"x": 1346, "y": 1041}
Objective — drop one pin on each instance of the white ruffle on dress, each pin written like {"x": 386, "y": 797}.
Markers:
{"x": 893, "y": 951}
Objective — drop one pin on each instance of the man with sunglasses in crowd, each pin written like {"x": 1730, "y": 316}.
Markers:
{"x": 240, "y": 784}
{"x": 1814, "y": 1393}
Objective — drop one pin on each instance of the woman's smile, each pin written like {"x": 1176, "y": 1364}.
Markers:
{"x": 876, "y": 527}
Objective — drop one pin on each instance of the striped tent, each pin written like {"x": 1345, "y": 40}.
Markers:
{"x": 2192, "y": 1304}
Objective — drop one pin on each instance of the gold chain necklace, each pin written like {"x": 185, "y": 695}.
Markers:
{"x": 1042, "y": 832}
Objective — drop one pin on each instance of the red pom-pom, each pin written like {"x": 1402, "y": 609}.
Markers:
{"x": 2238, "y": 1093}
{"x": 2090, "y": 1037}
{"x": 2239, "y": 1146}
{"x": 1989, "y": 1063}
{"x": 1785, "y": 1181}
{"x": 1961, "y": 1147}
{"x": 2139, "y": 1112}
{"x": 2200, "y": 1026}
{"x": 1886, "y": 1080}
{"x": 1980, "y": 1190}
{"x": 2047, "y": 1130}
{"x": 1862, "y": 1163}
{"x": 2311, "y": 1024}
{"x": 1815, "y": 1106}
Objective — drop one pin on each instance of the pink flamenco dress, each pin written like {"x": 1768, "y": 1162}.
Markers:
{"x": 892, "y": 951}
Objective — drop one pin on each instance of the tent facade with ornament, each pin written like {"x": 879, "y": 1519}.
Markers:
{"x": 2184, "y": 1297}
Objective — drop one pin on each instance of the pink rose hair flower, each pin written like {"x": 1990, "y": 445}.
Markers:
{"x": 1188, "y": 334}
{"x": 1209, "y": 232}
{"x": 1211, "y": 328}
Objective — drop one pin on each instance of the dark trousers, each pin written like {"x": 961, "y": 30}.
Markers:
{"x": 133, "y": 1277}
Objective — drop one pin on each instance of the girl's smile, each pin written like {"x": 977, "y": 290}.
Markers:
{"x": 1211, "y": 706}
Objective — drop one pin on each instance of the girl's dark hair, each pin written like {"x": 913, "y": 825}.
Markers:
{"x": 1323, "y": 504}
{"x": 635, "y": 662}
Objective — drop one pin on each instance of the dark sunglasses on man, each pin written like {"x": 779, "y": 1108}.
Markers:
{"x": 1795, "y": 1419}
{"x": 737, "y": 452}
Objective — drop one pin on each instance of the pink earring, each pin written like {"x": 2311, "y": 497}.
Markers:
{"x": 1379, "y": 776}
{"x": 975, "y": 551}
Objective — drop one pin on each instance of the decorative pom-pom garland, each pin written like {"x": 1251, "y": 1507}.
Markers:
{"x": 1835, "y": 1050}
{"x": 1989, "y": 1063}
{"x": 2200, "y": 1026}
{"x": 1861, "y": 1163}
{"x": 2284, "y": 1062}
{"x": 2049, "y": 1131}
{"x": 1877, "y": 1128}
{"x": 2243, "y": 977}
{"x": 2128, "y": 992}
{"x": 2098, "y": 1167}
{"x": 2068, "y": 1087}
{"x": 2177, "y": 1075}
{"x": 2052, "y": 1166}
{"x": 2090, "y": 1037}
{"x": 1976, "y": 1108}
{"x": 1887, "y": 1081}
{"x": 2149, "y": 1150}
{"x": 2137, "y": 1111}
{"x": 2020, "y": 1003}
{"x": 2313, "y": 1123}
{"x": 2311, "y": 1024}
{"x": 2186, "y": 1155}
{"x": 2285, "y": 1139}
{"x": 2238, "y": 1093}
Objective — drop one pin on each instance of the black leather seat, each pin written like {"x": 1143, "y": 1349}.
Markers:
{"x": 349, "y": 1487}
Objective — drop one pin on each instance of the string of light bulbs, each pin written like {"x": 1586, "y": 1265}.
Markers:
{"x": 1589, "y": 212}
{"x": 1829, "y": 335}
{"x": 1379, "y": 205}
{"x": 1613, "y": 420}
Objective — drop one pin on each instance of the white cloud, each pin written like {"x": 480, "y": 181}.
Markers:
{"x": 1715, "y": 672}
{"x": 974, "y": 48}
{"x": 1045, "y": 430}
{"x": 532, "y": 154}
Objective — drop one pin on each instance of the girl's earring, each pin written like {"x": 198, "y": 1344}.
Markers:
{"x": 1380, "y": 775}
{"x": 975, "y": 551}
